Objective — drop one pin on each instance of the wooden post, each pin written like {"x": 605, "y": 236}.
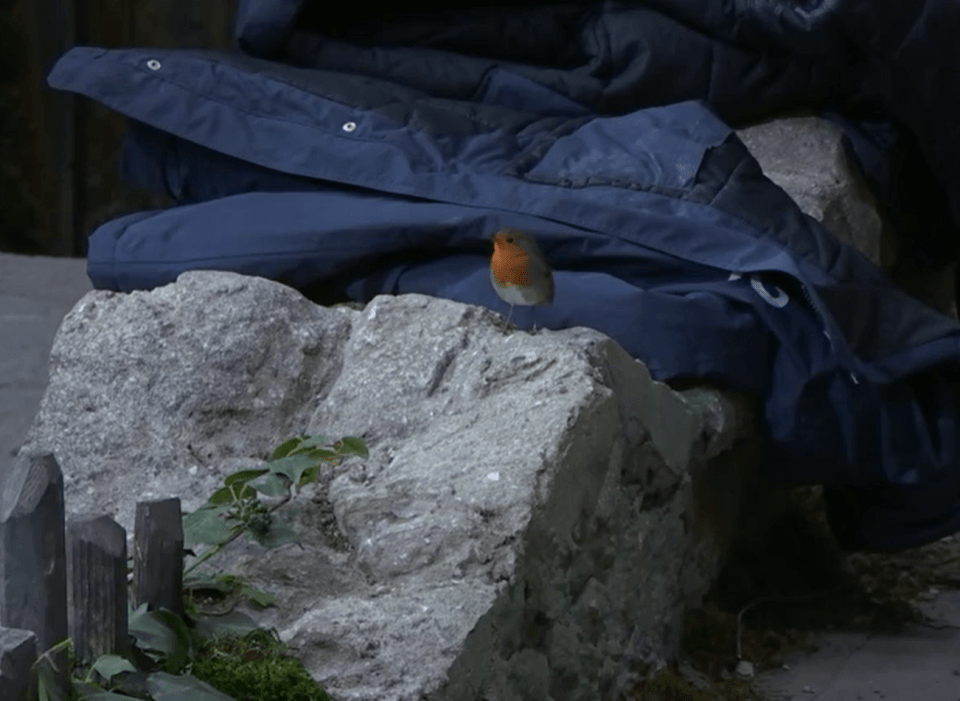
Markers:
{"x": 33, "y": 578}
{"x": 158, "y": 555}
{"x": 18, "y": 652}
{"x": 97, "y": 595}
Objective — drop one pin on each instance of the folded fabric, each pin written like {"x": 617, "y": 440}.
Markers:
{"x": 379, "y": 157}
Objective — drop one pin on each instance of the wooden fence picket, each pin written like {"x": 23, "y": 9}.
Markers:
{"x": 18, "y": 652}
{"x": 97, "y": 592}
{"x": 35, "y": 570}
{"x": 158, "y": 555}
{"x": 33, "y": 577}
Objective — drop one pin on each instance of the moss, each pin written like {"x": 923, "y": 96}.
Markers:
{"x": 255, "y": 667}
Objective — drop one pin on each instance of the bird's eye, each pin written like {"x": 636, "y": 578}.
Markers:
{"x": 509, "y": 239}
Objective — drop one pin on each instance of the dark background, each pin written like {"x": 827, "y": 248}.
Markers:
{"x": 58, "y": 152}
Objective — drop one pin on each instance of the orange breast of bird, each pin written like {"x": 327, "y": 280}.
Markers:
{"x": 510, "y": 263}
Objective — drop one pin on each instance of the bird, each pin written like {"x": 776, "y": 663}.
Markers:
{"x": 519, "y": 272}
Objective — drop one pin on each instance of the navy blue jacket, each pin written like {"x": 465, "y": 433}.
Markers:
{"x": 378, "y": 156}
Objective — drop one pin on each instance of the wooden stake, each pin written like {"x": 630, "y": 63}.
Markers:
{"x": 33, "y": 578}
{"x": 97, "y": 595}
{"x": 18, "y": 652}
{"x": 158, "y": 555}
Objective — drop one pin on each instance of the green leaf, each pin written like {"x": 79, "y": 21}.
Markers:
{"x": 232, "y": 493}
{"x": 205, "y": 526}
{"x": 196, "y": 580}
{"x": 227, "y": 584}
{"x": 184, "y": 687}
{"x": 258, "y": 596}
{"x": 285, "y": 448}
{"x": 308, "y": 442}
{"x": 222, "y": 496}
{"x": 232, "y": 623}
{"x": 309, "y": 475}
{"x": 152, "y": 632}
{"x": 109, "y": 666}
{"x": 231, "y": 583}
{"x": 292, "y": 466}
{"x": 280, "y": 533}
{"x": 48, "y": 686}
{"x": 352, "y": 445}
{"x": 178, "y": 657}
{"x": 92, "y": 692}
{"x": 243, "y": 476}
{"x": 236, "y": 487}
{"x": 272, "y": 485}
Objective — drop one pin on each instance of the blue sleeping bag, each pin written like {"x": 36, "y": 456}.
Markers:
{"x": 378, "y": 157}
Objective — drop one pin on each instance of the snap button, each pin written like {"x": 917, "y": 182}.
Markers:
{"x": 153, "y": 64}
{"x": 349, "y": 126}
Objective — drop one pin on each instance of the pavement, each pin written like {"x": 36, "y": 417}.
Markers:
{"x": 921, "y": 663}
{"x": 35, "y": 294}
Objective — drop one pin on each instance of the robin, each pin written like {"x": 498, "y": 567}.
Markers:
{"x": 519, "y": 271}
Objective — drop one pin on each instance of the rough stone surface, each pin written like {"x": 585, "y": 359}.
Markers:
{"x": 805, "y": 156}
{"x": 533, "y": 518}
